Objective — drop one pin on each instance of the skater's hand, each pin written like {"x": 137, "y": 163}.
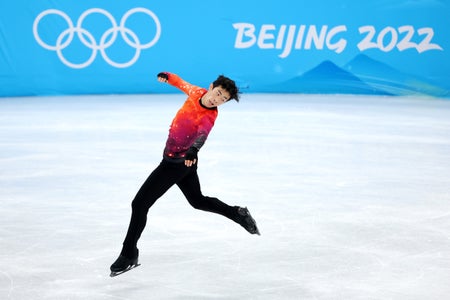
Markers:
{"x": 190, "y": 163}
{"x": 191, "y": 157}
{"x": 163, "y": 77}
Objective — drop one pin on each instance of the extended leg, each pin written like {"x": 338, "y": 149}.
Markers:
{"x": 190, "y": 186}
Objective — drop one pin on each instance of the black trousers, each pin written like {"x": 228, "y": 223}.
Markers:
{"x": 160, "y": 180}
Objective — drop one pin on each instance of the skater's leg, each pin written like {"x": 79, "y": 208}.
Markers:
{"x": 190, "y": 186}
{"x": 159, "y": 181}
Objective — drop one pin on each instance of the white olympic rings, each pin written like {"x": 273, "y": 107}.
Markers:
{"x": 67, "y": 35}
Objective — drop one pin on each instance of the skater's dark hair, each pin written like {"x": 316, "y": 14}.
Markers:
{"x": 228, "y": 85}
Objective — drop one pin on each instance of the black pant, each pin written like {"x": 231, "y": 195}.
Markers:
{"x": 160, "y": 180}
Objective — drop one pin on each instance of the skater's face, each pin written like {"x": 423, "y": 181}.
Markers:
{"x": 215, "y": 96}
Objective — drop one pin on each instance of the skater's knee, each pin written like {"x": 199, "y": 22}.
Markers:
{"x": 138, "y": 204}
{"x": 142, "y": 203}
{"x": 197, "y": 202}
{"x": 202, "y": 203}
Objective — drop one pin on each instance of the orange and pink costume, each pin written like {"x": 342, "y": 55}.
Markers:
{"x": 192, "y": 123}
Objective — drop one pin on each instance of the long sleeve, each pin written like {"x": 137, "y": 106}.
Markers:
{"x": 181, "y": 84}
{"x": 192, "y": 123}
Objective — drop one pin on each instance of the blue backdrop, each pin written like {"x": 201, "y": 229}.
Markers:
{"x": 98, "y": 46}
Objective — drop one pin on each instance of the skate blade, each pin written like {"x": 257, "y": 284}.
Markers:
{"x": 114, "y": 274}
{"x": 257, "y": 231}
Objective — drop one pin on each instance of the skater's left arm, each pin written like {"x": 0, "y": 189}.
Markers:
{"x": 191, "y": 155}
{"x": 204, "y": 130}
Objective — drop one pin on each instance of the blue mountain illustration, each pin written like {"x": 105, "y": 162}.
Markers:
{"x": 327, "y": 78}
{"x": 362, "y": 75}
{"x": 391, "y": 80}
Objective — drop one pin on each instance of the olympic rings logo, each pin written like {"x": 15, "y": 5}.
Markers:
{"x": 107, "y": 38}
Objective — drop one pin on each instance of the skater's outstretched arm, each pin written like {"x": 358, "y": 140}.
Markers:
{"x": 177, "y": 82}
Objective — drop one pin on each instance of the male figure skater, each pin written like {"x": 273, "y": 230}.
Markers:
{"x": 187, "y": 134}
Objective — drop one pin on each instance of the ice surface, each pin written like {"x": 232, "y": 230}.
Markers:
{"x": 351, "y": 194}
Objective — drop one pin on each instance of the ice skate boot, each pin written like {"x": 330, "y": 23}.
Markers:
{"x": 245, "y": 220}
{"x": 124, "y": 264}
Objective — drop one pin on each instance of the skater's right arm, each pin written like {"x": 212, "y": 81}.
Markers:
{"x": 177, "y": 82}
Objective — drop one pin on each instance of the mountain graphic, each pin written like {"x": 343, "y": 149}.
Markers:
{"x": 362, "y": 75}
{"x": 391, "y": 80}
{"x": 327, "y": 78}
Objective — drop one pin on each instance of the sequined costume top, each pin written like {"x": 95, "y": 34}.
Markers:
{"x": 192, "y": 123}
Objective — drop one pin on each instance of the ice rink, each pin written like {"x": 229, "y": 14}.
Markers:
{"x": 351, "y": 195}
